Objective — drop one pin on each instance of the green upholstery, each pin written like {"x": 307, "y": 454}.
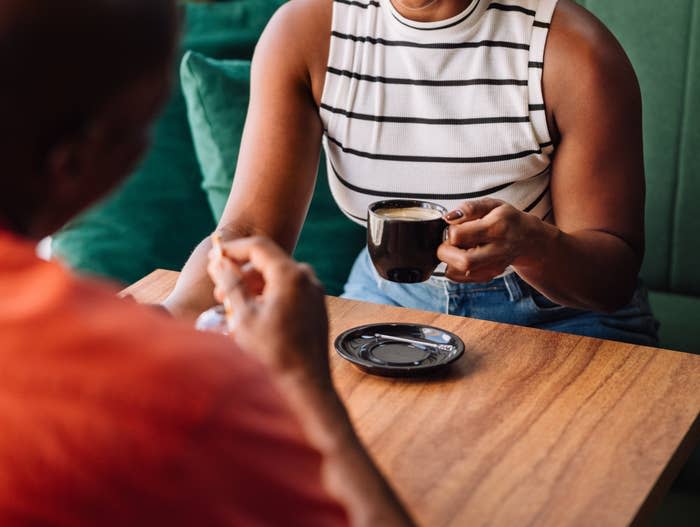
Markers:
{"x": 217, "y": 94}
{"x": 161, "y": 213}
{"x": 663, "y": 42}
{"x": 217, "y": 99}
{"x": 680, "y": 320}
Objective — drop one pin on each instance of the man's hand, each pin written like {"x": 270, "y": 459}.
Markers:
{"x": 279, "y": 313}
{"x": 487, "y": 236}
{"x": 278, "y": 306}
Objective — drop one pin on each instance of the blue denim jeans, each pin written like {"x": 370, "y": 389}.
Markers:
{"x": 508, "y": 299}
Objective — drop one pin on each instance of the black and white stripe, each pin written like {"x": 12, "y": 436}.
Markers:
{"x": 467, "y": 121}
{"x": 362, "y": 5}
{"x": 409, "y": 158}
{"x": 431, "y": 45}
{"x": 447, "y": 111}
{"x": 442, "y": 83}
{"x": 513, "y": 8}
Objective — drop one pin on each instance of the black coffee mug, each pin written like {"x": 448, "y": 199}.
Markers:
{"x": 403, "y": 237}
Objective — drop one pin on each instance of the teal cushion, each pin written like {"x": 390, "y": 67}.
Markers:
{"x": 217, "y": 99}
{"x": 161, "y": 213}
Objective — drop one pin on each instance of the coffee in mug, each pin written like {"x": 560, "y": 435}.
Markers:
{"x": 403, "y": 237}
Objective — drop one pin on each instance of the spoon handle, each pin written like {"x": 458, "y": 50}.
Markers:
{"x": 442, "y": 347}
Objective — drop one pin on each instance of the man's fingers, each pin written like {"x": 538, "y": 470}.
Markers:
{"x": 280, "y": 274}
{"x": 254, "y": 281}
{"x": 472, "y": 210}
{"x": 239, "y": 315}
{"x": 229, "y": 281}
{"x": 263, "y": 255}
{"x": 257, "y": 249}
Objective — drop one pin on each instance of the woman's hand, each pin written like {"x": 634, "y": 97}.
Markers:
{"x": 488, "y": 235}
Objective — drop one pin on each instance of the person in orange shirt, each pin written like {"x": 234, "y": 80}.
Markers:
{"x": 113, "y": 413}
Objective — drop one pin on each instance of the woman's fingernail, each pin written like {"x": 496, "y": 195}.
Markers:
{"x": 454, "y": 215}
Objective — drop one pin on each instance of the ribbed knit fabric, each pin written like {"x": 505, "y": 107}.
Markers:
{"x": 444, "y": 111}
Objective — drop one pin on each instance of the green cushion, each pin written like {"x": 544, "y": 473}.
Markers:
{"x": 680, "y": 320}
{"x": 161, "y": 213}
{"x": 217, "y": 94}
{"x": 663, "y": 42}
{"x": 217, "y": 99}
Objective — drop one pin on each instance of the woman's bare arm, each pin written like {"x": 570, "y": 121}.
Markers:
{"x": 279, "y": 153}
{"x": 598, "y": 171}
{"x": 591, "y": 257}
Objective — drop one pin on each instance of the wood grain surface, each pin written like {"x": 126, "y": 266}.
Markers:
{"x": 529, "y": 428}
{"x": 152, "y": 289}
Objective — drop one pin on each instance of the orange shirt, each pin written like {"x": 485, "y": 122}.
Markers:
{"x": 113, "y": 414}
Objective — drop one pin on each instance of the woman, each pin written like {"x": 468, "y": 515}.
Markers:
{"x": 522, "y": 117}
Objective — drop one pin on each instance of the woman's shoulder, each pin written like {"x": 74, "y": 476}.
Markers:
{"x": 577, "y": 32}
{"x": 298, "y": 37}
{"x": 302, "y": 24}
{"x": 584, "y": 60}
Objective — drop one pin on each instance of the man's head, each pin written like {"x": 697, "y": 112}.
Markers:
{"x": 82, "y": 81}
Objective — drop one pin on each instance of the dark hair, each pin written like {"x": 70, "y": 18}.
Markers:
{"x": 62, "y": 60}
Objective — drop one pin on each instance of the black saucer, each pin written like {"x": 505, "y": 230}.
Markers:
{"x": 399, "y": 350}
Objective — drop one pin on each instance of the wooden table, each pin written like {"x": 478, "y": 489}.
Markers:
{"x": 530, "y": 428}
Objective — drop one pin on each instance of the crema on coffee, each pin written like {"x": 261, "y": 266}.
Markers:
{"x": 409, "y": 213}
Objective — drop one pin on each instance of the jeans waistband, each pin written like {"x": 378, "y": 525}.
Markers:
{"x": 510, "y": 281}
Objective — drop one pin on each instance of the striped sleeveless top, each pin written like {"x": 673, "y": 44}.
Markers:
{"x": 443, "y": 111}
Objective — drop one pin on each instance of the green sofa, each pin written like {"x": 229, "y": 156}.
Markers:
{"x": 163, "y": 211}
